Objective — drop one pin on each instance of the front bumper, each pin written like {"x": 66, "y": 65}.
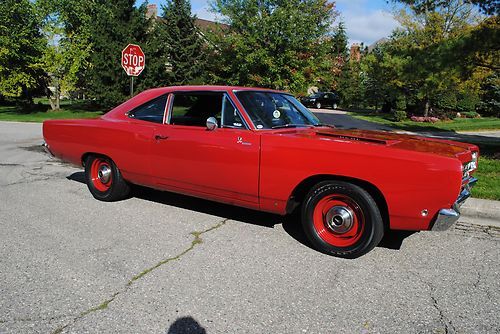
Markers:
{"x": 447, "y": 217}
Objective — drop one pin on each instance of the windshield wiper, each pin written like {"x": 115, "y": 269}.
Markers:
{"x": 290, "y": 126}
{"x": 327, "y": 125}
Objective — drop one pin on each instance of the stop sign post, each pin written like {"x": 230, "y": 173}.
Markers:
{"x": 133, "y": 62}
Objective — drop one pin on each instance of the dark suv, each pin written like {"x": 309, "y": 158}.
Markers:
{"x": 321, "y": 100}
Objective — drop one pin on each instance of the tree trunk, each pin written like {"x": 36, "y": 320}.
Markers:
{"x": 49, "y": 97}
{"x": 58, "y": 95}
{"x": 426, "y": 109}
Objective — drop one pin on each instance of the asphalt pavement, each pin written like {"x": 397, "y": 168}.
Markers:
{"x": 165, "y": 263}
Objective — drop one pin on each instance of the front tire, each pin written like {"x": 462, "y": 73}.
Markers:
{"x": 341, "y": 219}
{"x": 318, "y": 105}
{"x": 104, "y": 179}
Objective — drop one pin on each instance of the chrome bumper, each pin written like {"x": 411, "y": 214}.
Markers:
{"x": 47, "y": 149}
{"x": 447, "y": 217}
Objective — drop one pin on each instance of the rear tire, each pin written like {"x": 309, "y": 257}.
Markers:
{"x": 104, "y": 179}
{"x": 341, "y": 219}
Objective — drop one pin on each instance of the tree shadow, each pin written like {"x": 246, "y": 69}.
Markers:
{"x": 186, "y": 325}
{"x": 290, "y": 223}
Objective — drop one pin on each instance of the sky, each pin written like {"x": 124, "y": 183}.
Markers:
{"x": 366, "y": 20}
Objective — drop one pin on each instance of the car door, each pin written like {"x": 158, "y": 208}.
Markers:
{"x": 221, "y": 164}
{"x": 131, "y": 140}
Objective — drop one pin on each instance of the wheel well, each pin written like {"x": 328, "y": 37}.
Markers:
{"x": 301, "y": 190}
{"x": 85, "y": 156}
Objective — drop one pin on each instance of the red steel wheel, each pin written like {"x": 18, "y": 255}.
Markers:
{"x": 104, "y": 179}
{"x": 101, "y": 174}
{"x": 338, "y": 220}
{"x": 341, "y": 219}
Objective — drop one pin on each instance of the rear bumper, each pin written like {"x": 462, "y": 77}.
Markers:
{"x": 47, "y": 149}
{"x": 447, "y": 217}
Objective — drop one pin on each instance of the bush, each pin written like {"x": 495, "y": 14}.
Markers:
{"x": 467, "y": 102}
{"x": 400, "y": 115}
{"x": 470, "y": 114}
{"x": 424, "y": 119}
{"x": 490, "y": 97}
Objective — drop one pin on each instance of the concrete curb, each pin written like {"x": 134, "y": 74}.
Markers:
{"x": 481, "y": 212}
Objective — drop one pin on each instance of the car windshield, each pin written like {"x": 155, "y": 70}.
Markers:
{"x": 315, "y": 95}
{"x": 270, "y": 110}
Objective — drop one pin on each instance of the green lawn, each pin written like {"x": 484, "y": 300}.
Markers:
{"x": 458, "y": 124}
{"x": 488, "y": 173}
{"x": 42, "y": 112}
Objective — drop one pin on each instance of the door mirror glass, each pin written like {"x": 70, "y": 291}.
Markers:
{"x": 211, "y": 123}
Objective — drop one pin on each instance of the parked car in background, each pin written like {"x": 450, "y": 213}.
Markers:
{"x": 262, "y": 149}
{"x": 322, "y": 100}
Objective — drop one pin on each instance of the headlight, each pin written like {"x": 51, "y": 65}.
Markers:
{"x": 474, "y": 157}
{"x": 470, "y": 166}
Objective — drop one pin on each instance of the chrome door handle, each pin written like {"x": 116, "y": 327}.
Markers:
{"x": 160, "y": 137}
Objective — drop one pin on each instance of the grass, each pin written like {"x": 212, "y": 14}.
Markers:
{"x": 488, "y": 173}
{"x": 458, "y": 124}
{"x": 41, "y": 112}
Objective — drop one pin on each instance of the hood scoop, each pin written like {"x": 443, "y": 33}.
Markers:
{"x": 353, "y": 138}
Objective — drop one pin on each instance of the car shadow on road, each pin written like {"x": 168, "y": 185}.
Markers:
{"x": 290, "y": 223}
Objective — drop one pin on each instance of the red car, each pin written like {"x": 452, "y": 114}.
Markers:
{"x": 262, "y": 149}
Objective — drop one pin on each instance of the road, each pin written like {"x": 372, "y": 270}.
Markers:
{"x": 164, "y": 263}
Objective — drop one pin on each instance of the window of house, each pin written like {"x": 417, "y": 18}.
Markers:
{"x": 151, "y": 111}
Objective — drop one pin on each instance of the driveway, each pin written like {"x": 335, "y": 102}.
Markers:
{"x": 165, "y": 263}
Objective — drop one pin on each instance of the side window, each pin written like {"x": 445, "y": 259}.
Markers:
{"x": 151, "y": 111}
{"x": 230, "y": 116}
{"x": 194, "y": 108}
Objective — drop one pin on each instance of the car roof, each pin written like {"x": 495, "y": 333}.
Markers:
{"x": 209, "y": 88}
{"x": 150, "y": 94}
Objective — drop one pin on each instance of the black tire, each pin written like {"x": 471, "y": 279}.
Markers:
{"x": 318, "y": 105}
{"x": 115, "y": 189}
{"x": 358, "y": 208}
{"x": 334, "y": 106}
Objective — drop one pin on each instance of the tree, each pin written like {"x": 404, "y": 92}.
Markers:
{"x": 67, "y": 26}
{"x": 339, "y": 42}
{"x": 490, "y": 96}
{"x": 156, "y": 49}
{"x": 21, "y": 49}
{"x": 430, "y": 29}
{"x": 277, "y": 44}
{"x": 489, "y": 7}
{"x": 186, "y": 58}
{"x": 114, "y": 26}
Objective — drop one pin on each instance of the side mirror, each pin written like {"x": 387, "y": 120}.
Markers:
{"x": 211, "y": 123}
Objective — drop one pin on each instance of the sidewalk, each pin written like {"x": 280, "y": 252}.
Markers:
{"x": 481, "y": 212}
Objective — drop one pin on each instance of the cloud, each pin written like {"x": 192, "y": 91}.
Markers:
{"x": 370, "y": 27}
{"x": 205, "y": 13}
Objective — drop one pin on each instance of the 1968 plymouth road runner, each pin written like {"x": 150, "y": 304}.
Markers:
{"x": 262, "y": 149}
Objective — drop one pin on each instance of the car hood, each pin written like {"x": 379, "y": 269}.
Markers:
{"x": 448, "y": 148}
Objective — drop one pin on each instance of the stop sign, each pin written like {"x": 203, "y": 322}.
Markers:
{"x": 133, "y": 60}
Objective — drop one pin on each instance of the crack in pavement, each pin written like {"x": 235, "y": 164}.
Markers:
{"x": 445, "y": 321}
{"x": 104, "y": 305}
{"x": 36, "y": 173}
{"x": 481, "y": 232}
